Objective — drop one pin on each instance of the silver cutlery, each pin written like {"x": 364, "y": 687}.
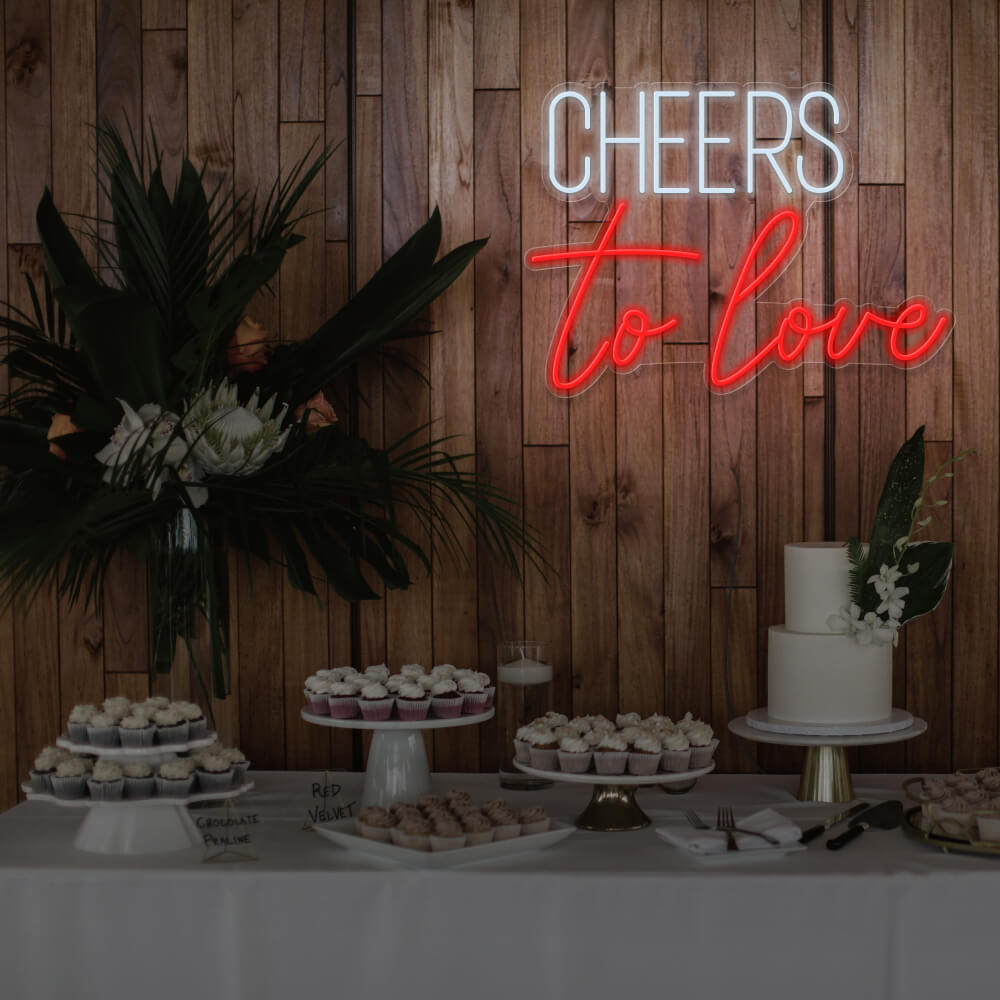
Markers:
{"x": 725, "y": 820}
{"x": 695, "y": 820}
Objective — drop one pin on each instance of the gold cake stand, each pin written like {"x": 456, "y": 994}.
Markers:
{"x": 612, "y": 807}
{"x": 826, "y": 776}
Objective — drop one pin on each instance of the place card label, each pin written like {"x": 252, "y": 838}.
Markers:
{"x": 328, "y": 804}
{"x": 225, "y": 832}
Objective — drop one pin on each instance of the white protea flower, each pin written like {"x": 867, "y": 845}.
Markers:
{"x": 230, "y": 438}
{"x": 151, "y": 435}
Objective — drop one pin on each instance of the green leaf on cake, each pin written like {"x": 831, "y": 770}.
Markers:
{"x": 927, "y": 585}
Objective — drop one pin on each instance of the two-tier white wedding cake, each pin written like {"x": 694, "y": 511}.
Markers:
{"x": 817, "y": 676}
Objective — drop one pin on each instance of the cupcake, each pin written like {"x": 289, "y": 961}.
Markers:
{"x": 45, "y": 767}
{"x": 117, "y": 708}
{"x": 70, "y": 779}
{"x": 676, "y": 756}
{"x": 627, "y": 719}
{"x": 478, "y": 829}
{"x": 376, "y": 824}
{"x": 377, "y": 672}
{"x": 102, "y": 730}
{"x": 444, "y": 670}
{"x": 473, "y": 695}
{"x": 447, "y": 835}
{"x": 106, "y": 782}
{"x": 611, "y": 755}
{"x": 154, "y": 704}
{"x": 522, "y": 748}
{"x": 413, "y": 832}
{"x": 411, "y": 670}
{"x": 195, "y": 717}
{"x": 394, "y": 682}
{"x": 456, "y": 795}
{"x": 317, "y": 692}
{"x": 574, "y": 755}
{"x": 171, "y": 726}
{"x": 429, "y": 801}
{"x": 644, "y": 758}
{"x": 139, "y": 780}
{"x": 412, "y": 701}
{"x": 427, "y": 681}
{"x": 446, "y": 700}
{"x": 175, "y": 779}
{"x": 239, "y": 763}
{"x": 533, "y": 819}
{"x": 340, "y": 674}
{"x": 343, "y": 700}
{"x": 543, "y": 748}
{"x": 703, "y": 744}
{"x": 215, "y": 773}
{"x": 78, "y": 720}
{"x": 375, "y": 702}
{"x": 136, "y": 731}
{"x": 506, "y": 825}
{"x": 489, "y": 687}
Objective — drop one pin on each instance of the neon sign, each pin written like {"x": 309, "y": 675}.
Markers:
{"x": 910, "y": 332}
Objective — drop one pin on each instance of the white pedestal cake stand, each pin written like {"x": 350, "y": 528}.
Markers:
{"x": 825, "y": 774}
{"x": 138, "y": 826}
{"x": 397, "y": 762}
{"x": 612, "y": 806}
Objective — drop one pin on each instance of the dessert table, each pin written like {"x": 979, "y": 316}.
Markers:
{"x": 598, "y": 915}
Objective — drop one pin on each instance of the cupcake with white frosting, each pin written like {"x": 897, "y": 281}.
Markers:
{"x": 489, "y": 687}
{"x": 139, "y": 780}
{"x": 214, "y": 773}
{"x": 446, "y": 699}
{"x": 175, "y": 779}
{"x": 676, "y": 756}
{"x": 522, "y": 746}
{"x": 239, "y": 764}
{"x": 78, "y": 720}
{"x": 574, "y": 755}
{"x": 45, "y": 767}
{"x": 703, "y": 743}
{"x": 375, "y": 702}
{"x": 644, "y": 756}
{"x": 343, "y": 700}
{"x": 70, "y": 779}
{"x": 412, "y": 670}
{"x": 412, "y": 701}
{"x": 171, "y": 726}
{"x": 444, "y": 670}
{"x": 117, "y": 708}
{"x": 473, "y": 694}
{"x": 611, "y": 755}
{"x": 317, "y": 692}
{"x": 394, "y": 682}
{"x": 195, "y": 717}
{"x": 102, "y": 730}
{"x": 627, "y": 719}
{"x": 106, "y": 782}
{"x": 377, "y": 672}
{"x": 506, "y": 825}
{"x": 543, "y": 748}
{"x": 136, "y": 730}
{"x": 533, "y": 819}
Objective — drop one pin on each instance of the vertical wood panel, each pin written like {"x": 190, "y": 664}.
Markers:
{"x": 164, "y": 13}
{"x": 976, "y": 249}
{"x": 741, "y": 669}
{"x": 639, "y": 399}
{"x": 164, "y": 112}
{"x": 368, "y": 48}
{"x": 300, "y": 60}
{"x": 497, "y": 44}
{"x": 210, "y": 88}
{"x": 338, "y": 102}
{"x": 778, "y": 58}
{"x": 119, "y": 63}
{"x": 881, "y": 91}
{"x": 498, "y": 361}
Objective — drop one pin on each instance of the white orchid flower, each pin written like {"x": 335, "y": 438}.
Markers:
{"x": 847, "y": 620}
{"x": 893, "y": 602}
{"x": 885, "y": 580}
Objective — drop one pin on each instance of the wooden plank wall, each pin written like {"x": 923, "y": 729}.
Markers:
{"x": 635, "y": 484}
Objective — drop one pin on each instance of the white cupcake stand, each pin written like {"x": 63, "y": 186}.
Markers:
{"x": 612, "y": 807}
{"x": 137, "y": 826}
{"x": 825, "y": 775}
{"x": 397, "y": 762}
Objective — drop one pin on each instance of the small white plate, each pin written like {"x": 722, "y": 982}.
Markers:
{"x": 726, "y": 857}
{"x": 343, "y": 832}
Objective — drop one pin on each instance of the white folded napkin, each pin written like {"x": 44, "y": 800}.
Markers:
{"x": 714, "y": 841}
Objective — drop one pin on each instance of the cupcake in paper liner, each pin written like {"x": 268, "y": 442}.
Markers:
{"x": 414, "y": 832}
{"x": 489, "y": 687}
{"x": 447, "y": 835}
{"x": 543, "y": 747}
{"x": 171, "y": 726}
{"x": 412, "y": 701}
{"x": 136, "y": 731}
{"x": 342, "y": 702}
{"x": 139, "y": 780}
{"x": 45, "y": 767}
{"x": 79, "y": 719}
{"x": 506, "y": 825}
{"x": 611, "y": 754}
{"x": 703, "y": 743}
{"x": 376, "y": 823}
{"x": 102, "y": 730}
{"x": 522, "y": 748}
{"x": 106, "y": 782}
{"x": 446, "y": 699}
{"x": 574, "y": 755}
{"x": 215, "y": 773}
{"x": 644, "y": 758}
{"x": 473, "y": 694}
{"x": 676, "y": 756}
{"x": 195, "y": 718}
{"x": 534, "y": 819}
{"x": 239, "y": 763}
{"x": 375, "y": 702}
{"x": 70, "y": 779}
{"x": 317, "y": 692}
{"x": 478, "y": 829}
{"x": 175, "y": 779}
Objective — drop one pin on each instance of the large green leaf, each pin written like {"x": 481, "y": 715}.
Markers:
{"x": 928, "y": 584}
{"x": 67, "y": 267}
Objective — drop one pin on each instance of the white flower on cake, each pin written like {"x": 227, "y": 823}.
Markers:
{"x": 846, "y": 620}
{"x": 892, "y": 596}
{"x": 866, "y": 629}
{"x": 233, "y": 439}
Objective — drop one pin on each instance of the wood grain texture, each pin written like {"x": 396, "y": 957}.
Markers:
{"x": 164, "y": 111}
{"x": 119, "y": 62}
{"x": 734, "y": 676}
{"x": 594, "y": 513}
{"x": 975, "y": 269}
{"x": 778, "y": 62}
{"x": 29, "y": 114}
{"x": 497, "y": 44}
{"x": 368, "y": 48}
{"x": 498, "y": 362}
{"x": 881, "y": 92}
{"x": 164, "y": 14}
{"x": 300, "y": 60}
{"x": 210, "y": 88}
{"x": 929, "y": 202}
{"x": 338, "y": 120}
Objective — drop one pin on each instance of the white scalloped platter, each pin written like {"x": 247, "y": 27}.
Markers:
{"x": 343, "y": 832}
{"x": 152, "y": 800}
{"x": 116, "y": 753}
{"x": 592, "y": 778}
{"x": 396, "y": 725}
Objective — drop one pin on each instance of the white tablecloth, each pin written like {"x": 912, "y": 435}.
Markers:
{"x": 600, "y": 915}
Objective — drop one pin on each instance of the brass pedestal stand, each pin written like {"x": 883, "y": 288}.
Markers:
{"x": 825, "y": 775}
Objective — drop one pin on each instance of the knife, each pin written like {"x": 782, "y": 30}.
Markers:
{"x": 884, "y": 816}
{"x": 820, "y": 828}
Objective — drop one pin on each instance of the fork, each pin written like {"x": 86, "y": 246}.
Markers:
{"x": 725, "y": 820}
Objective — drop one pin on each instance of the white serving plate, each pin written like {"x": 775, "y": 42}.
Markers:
{"x": 896, "y": 721}
{"x": 725, "y": 857}
{"x": 119, "y": 752}
{"x": 396, "y": 725}
{"x": 592, "y": 778}
{"x": 343, "y": 832}
{"x": 154, "y": 801}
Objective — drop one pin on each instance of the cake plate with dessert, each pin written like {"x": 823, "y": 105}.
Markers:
{"x": 612, "y": 807}
{"x": 397, "y": 762}
{"x": 826, "y": 776}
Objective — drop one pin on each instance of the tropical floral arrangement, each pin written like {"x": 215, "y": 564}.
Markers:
{"x": 895, "y": 579}
{"x": 150, "y": 412}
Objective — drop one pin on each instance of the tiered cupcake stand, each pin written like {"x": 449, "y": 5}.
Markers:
{"x": 397, "y": 762}
{"x": 612, "y": 806}
{"x": 826, "y": 776}
{"x": 138, "y": 826}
